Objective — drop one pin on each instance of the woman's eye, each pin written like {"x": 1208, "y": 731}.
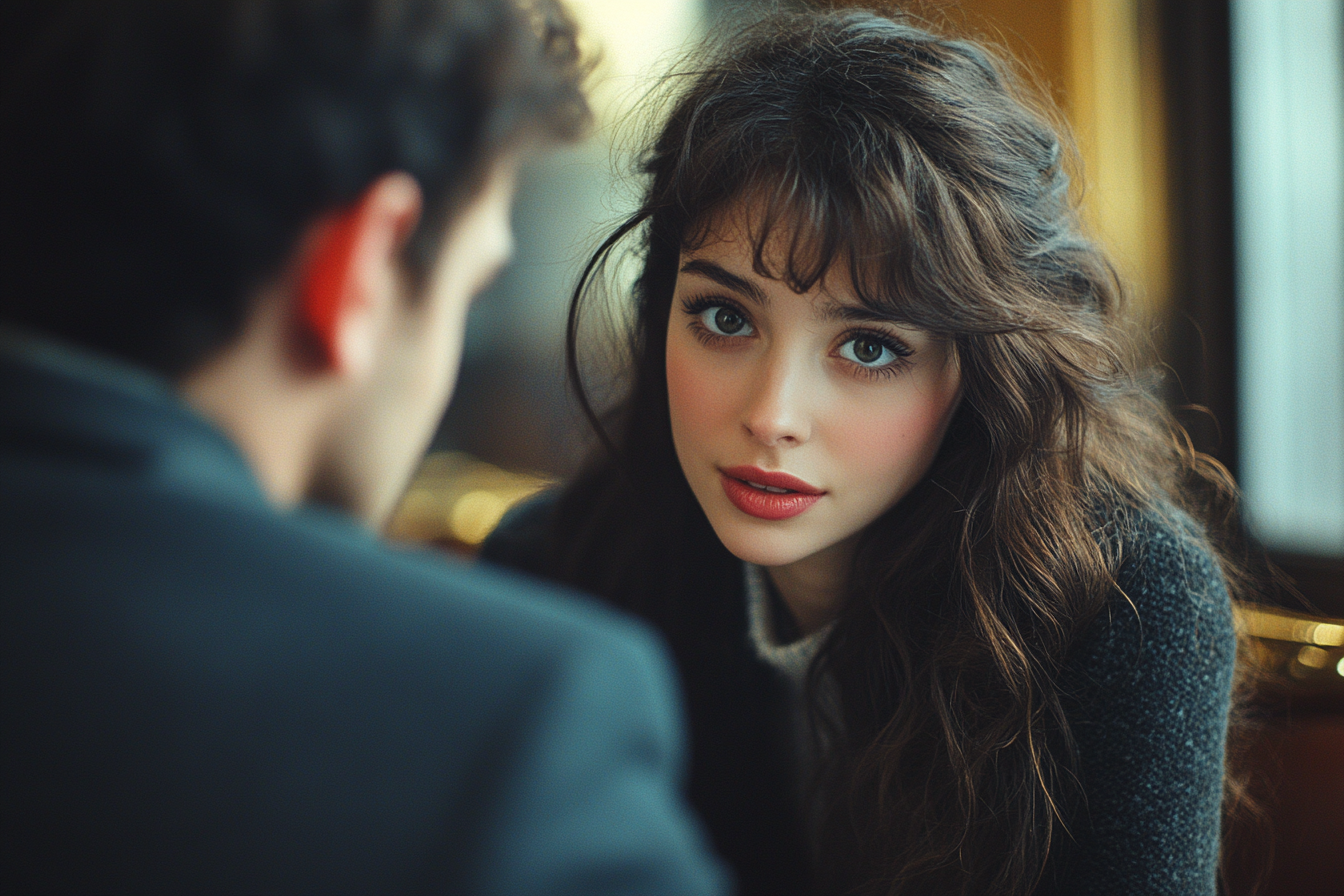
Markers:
{"x": 722, "y": 320}
{"x": 868, "y": 352}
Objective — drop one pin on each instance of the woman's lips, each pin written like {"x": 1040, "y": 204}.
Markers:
{"x": 768, "y": 496}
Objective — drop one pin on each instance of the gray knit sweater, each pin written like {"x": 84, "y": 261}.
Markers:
{"x": 1154, "y": 684}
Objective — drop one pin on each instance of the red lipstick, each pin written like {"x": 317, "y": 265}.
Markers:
{"x": 766, "y": 495}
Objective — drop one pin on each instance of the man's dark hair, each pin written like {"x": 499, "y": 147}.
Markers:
{"x": 158, "y": 160}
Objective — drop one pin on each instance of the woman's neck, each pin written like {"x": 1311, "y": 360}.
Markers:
{"x": 814, "y": 587}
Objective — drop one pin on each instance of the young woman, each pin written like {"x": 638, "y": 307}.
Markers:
{"x": 944, "y": 587}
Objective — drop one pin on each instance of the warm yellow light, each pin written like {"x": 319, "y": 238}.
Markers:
{"x": 635, "y": 41}
{"x": 1283, "y": 625}
{"x": 475, "y": 515}
{"x": 1328, "y": 634}
{"x": 458, "y": 498}
{"x": 1117, "y": 119}
{"x": 1313, "y": 657}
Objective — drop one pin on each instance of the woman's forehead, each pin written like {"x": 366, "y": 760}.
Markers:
{"x": 773, "y": 245}
{"x": 740, "y": 248}
{"x": 729, "y": 259}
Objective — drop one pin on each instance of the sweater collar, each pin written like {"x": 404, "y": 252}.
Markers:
{"x": 792, "y": 658}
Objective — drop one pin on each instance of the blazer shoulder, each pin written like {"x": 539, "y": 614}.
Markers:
{"x": 599, "y": 738}
{"x": 522, "y": 611}
{"x": 596, "y": 724}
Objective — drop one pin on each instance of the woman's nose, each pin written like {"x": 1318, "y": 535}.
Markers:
{"x": 776, "y": 411}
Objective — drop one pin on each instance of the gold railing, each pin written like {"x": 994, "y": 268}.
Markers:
{"x": 1309, "y": 649}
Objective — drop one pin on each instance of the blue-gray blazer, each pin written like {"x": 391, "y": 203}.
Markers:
{"x": 202, "y": 692}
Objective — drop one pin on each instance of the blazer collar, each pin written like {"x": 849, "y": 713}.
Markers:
{"x": 65, "y": 403}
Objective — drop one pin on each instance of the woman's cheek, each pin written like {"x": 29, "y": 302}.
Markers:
{"x": 696, "y": 394}
{"x": 888, "y": 442}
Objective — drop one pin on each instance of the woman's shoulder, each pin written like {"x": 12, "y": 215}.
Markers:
{"x": 1147, "y": 694}
{"x": 520, "y": 540}
{"x": 1169, "y": 619}
{"x": 1167, "y": 568}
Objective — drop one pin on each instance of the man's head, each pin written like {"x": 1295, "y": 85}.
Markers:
{"x": 193, "y": 185}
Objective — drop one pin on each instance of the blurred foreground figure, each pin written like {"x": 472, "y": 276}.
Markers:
{"x": 240, "y": 244}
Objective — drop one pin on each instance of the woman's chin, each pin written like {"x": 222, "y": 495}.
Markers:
{"x": 758, "y": 544}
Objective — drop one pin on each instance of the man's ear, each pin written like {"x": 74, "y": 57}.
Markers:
{"x": 350, "y": 275}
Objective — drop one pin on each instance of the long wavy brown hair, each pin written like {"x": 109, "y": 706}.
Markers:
{"x": 938, "y": 179}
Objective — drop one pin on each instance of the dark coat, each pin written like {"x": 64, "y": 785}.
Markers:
{"x": 1149, "y": 693}
{"x": 204, "y": 693}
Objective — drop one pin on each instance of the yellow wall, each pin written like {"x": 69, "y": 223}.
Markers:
{"x": 1113, "y": 97}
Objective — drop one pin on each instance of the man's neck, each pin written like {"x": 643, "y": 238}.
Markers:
{"x": 250, "y": 390}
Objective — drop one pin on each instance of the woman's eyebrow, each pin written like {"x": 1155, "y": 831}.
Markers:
{"x": 711, "y": 271}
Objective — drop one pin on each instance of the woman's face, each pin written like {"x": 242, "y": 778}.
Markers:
{"x": 798, "y": 418}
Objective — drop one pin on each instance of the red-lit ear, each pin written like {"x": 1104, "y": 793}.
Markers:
{"x": 326, "y": 284}
{"x": 350, "y": 278}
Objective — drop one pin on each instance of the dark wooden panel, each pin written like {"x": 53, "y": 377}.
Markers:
{"x": 1201, "y": 346}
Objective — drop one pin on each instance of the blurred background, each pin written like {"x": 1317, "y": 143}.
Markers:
{"x": 1211, "y": 136}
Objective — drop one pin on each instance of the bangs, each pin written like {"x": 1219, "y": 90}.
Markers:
{"x": 804, "y": 229}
